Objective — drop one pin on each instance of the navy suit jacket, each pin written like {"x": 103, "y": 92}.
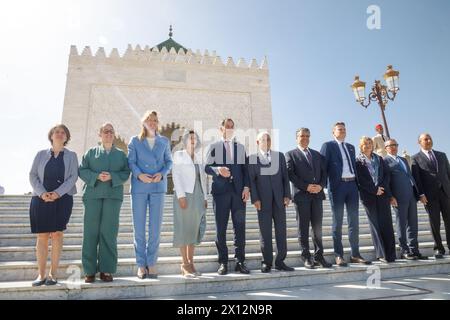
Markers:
{"x": 400, "y": 181}
{"x": 271, "y": 185}
{"x": 367, "y": 188}
{"x": 239, "y": 168}
{"x": 302, "y": 174}
{"x": 428, "y": 180}
{"x": 334, "y": 162}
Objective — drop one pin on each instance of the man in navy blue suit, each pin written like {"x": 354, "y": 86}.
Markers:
{"x": 404, "y": 202}
{"x": 227, "y": 162}
{"x": 343, "y": 190}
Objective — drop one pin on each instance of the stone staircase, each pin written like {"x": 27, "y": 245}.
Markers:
{"x": 18, "y": 267}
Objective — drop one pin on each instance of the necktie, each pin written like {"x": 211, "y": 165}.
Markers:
{"x": 309, "y": 157}
{"x": 382, "y": 137}
{"x": 268, "y": 157}
{"x": 433, "y": 160}
{"x": 348, "y": 159}
{"x": 228, "y": 150}
{"x": 402, "y": 164}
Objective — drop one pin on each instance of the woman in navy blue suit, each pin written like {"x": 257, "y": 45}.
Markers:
{"x": 150, "y": 160}
{"x": 373, "y": 182}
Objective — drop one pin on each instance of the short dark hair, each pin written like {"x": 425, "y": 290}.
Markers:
{"x": 300, "y": 130}
{"x": 340, "y": 123}
{"x": 59, "y": 126}
{"x": 222, "y": 124}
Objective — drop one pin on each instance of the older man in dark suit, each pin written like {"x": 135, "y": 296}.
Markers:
{"x": 270, "y": 194}
{"x": 404, "y": 202}
{"x": 431, "y": 170}
{"x": 307, "y": 172}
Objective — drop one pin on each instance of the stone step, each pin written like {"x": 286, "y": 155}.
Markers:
{"x": 24, "y": 228}
{"x": 72, "y": 252}
{"x": 79, "y": 218}
{"x": 168, "y": 208}
{"x": 169, "y": 268}
{"x": 72, "y": 238}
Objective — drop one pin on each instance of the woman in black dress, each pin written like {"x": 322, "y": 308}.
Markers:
{"x": 53, "y": 177}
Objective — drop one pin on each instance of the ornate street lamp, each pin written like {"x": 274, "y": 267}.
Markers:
{"x": 380, "y": 93}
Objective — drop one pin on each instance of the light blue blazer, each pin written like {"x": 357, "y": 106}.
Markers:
{"x": 143, "y": 159}
{"x": 70, "y": 173}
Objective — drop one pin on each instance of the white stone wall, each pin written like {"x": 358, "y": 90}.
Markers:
{"x": 183, "y": 88}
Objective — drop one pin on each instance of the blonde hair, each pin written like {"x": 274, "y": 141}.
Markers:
{"x": 104, "y": 125}
{"x": 363, "y": 141}
{"x": 144, "y": 132}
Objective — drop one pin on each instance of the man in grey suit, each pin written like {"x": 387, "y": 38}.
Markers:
{"x": 307, "y": 172}
{"x": 403, "y": 201}
{"x": 270, "y": 194}
{"x": 431, "y": 170}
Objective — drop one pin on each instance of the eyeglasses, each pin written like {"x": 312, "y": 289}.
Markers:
{"x": 392, "y": 145}
{"x": 108, "y": 131}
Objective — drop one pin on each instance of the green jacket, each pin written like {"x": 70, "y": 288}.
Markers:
{"x": 96, "y": 160}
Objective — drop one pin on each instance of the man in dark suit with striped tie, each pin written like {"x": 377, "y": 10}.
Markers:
{"x": 307, "y": 173}
{"x": 431, "y": 170}
{"x": 404, "y": 202}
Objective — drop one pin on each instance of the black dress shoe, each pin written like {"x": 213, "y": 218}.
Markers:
{"x": 38, "y": 283}
{"x": 359, "y": 260}
{"x": 320, "y": 261}
{"x": 408, "y": 256}
{"x": 50, "y": 282}
{"x": 265, "y": 268}
{"x": 223, "y": 269}
{"x": 340, "y": 262}
{"x": 308, "y": 262}
{"x": 283, "y": 267}
{"x": 438, "y": 254}
{"x": 419, "y": 256}
{"x": 240, "y": 267}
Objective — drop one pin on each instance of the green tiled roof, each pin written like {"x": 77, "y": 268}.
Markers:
{"x": 170, "y": 43}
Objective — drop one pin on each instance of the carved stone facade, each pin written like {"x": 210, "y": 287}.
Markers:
{"x": 184, "y": 87}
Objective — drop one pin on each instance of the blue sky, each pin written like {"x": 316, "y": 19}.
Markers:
{"x": 314, "y": 49}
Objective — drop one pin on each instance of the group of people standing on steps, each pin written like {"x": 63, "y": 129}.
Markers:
{"x": 264, "y": 178}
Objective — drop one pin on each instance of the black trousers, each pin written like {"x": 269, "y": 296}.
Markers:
{"x": 434, "y": 208}
{"x": 310, "y": 212}
{"x": 222, "y": 205}
{"x": 270, "y": 212}
{"x": 381, "y": 228}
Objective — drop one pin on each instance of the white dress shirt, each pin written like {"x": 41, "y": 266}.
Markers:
{"x": 346, "y": 173}
{"x": 428, "y": 156}
{"x": 265, "y": 155}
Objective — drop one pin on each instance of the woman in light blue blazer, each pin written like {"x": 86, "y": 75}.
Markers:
{"x": 53, "y": 176}
{"x": 150, "y": 160}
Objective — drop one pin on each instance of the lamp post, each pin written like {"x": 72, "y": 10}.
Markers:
{"x": 380, "y": 93}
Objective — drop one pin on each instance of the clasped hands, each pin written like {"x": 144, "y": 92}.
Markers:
{"x": 104, "y": 176}
{"x": 314, "y": 188}
{"x": 50, "y": 196}
{"x": 150, "y": 178}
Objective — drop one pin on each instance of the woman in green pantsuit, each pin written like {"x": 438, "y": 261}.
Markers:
{"x": 104, "y": 169}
